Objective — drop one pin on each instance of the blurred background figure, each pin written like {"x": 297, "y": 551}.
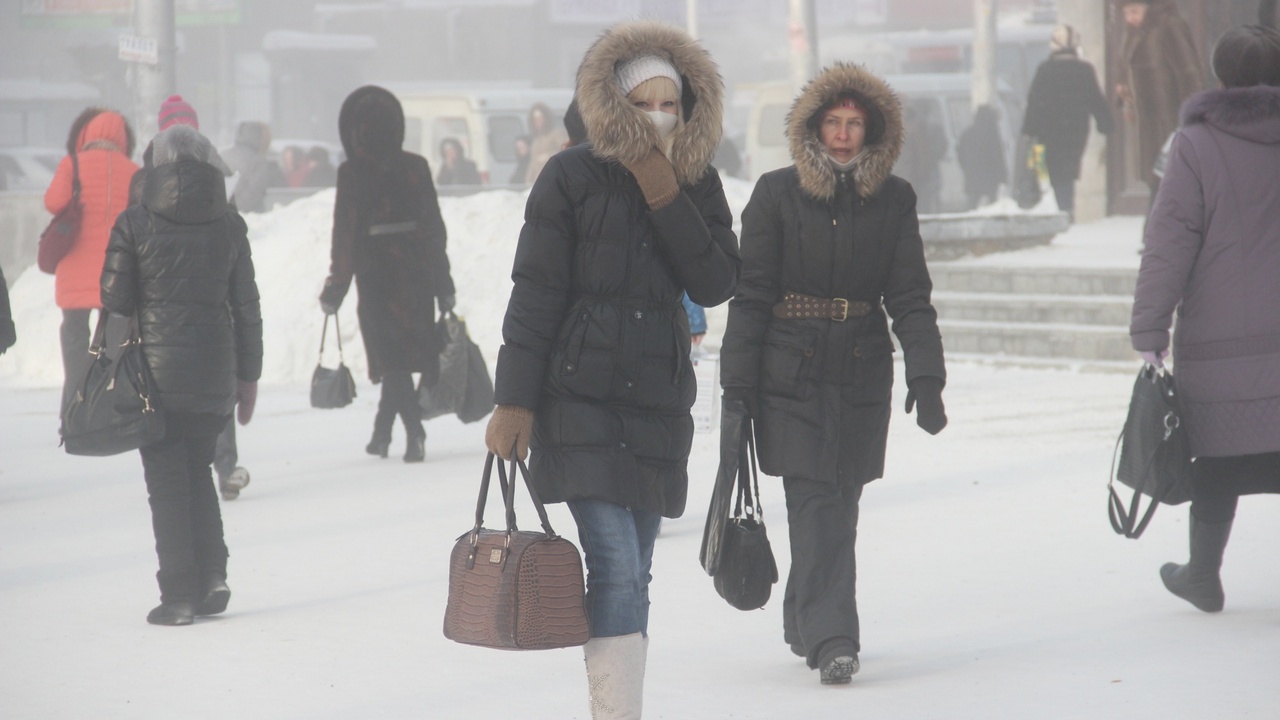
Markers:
{"x": 1063, "y": 95}
{"x": 102, "y": 143}
{"x": 697, "y": 324}
{"x": 455, "y": 168}
{"x": 1212, "y": 255}
{"x": 922, "y": 154}
{"x": 545, "y": 139}
{"x": 296, "y": 165}
{"x": 8, "y": 335}
{"x": 389, "y": 236}
{"x": 521, "y": 171}
{"x": 180, "y": 261}
{"x": 322, "y": 172}
{"x": 1161, "y": 69}
{"x": 255, "y": 172}
{"x": 981, "y": 154}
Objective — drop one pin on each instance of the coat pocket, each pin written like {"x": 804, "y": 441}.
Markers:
{"x": 787, "y": 361}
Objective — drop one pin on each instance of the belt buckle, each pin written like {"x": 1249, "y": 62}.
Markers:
{"x": 844, "y": 309}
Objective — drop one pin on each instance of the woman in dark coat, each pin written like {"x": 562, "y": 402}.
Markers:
{"x": 181, "y": 262}
{"x": 1212, "y": 254}
{"x": 828, "y": 246}
{"x": 1063, "y": 96}
{"x": 980, "y": 151}
{"x": 594, "y": 373}
{"x": 389, "y": 235}
{"x": 455, "y": 168}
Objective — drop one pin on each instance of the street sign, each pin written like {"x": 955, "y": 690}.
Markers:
{"x": 139, "y": 49}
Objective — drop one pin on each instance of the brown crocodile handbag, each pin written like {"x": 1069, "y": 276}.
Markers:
{"x": 514, "y": 589}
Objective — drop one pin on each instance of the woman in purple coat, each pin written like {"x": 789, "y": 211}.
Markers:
{"x": 1213, "y": 254}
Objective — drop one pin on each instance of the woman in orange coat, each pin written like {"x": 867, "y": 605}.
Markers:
{"x": 102, "y": 142}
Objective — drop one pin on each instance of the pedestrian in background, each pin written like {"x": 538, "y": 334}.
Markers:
{"x": 1064, "y": 95}
{"x": 923, "y": 150}
{"x": 389, "y": 236}
{"x": 545, "y": 139}
{"x": 594, "y": 372}
{"x": 102, "y": 143}
{"x": 455, "y": 168}
{"x": 521, "y": 171}
{"x": 322, "y": 173}
{"x": 8, "y": 335}
{"x": 180, "y": 261}
{"x": 1161, "y": 69}
{"x": 1212, "y": 255}
{"x": 980, "y": 151}
{"x": 829, "y": 246}
{"x": 255, "y": 173}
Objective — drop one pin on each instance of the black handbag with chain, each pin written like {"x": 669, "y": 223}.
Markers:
{"x": 1153, "y": 454}
{"x": 332, "y": 388}
{"x": 114, "y": 409}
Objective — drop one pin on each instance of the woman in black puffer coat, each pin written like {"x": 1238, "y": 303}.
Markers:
{"x": 830, "y": 246}
{"x": 389, "y": 235}
{"x": 594, "y": 372}
{"x": 180, "y": 261}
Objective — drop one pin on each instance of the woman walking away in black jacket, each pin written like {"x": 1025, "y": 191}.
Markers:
{"x": 829, "y": 245}
{"x": 389, "y": 235}
{"x": 180, "y": 262}
{"x": 594, "y": 373}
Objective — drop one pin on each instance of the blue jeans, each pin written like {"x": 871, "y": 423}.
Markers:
{"x": 618, "y": 545}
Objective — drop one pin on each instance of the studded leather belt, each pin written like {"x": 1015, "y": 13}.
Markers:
{"x": 795, "y": 306}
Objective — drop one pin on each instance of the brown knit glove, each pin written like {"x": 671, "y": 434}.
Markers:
{"x": 510, "y": 426}
{"x": 657, "y": 179}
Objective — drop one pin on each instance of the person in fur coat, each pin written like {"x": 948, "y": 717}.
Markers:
{"x": 389, "y": 235}
{"x": 1161, "y": 70}
{"x": 830, "y": 246}
{"x": 1212, "y": 255}
{"x": 594, "y": 374}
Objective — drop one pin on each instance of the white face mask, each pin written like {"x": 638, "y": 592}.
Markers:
{"x": 664, "y": 122}
{"x": 843, "y": 166}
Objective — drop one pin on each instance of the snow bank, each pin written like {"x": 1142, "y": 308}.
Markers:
{"x": 291, "y": 257}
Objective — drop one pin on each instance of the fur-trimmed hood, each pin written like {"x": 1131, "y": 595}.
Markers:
{"x": 1252, "y": 113}
{"x": 876, "y": 161}
{"x": 619, "y": 131}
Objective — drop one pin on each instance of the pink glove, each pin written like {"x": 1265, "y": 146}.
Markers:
{"x": 246, "y": 397}
{"x": 1154, "y": 358}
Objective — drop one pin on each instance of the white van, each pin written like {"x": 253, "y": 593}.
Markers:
{"x": 948, "y": 95}
{"x": 485, "y": 119}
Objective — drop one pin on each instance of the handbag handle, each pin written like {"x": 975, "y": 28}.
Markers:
{"x": 748, "y": 485}
{"x": 508, "y": 500}
{"x": 75, "y": 178}
{"x": 1126, "y": 522}
{"x": 337, "y": 333}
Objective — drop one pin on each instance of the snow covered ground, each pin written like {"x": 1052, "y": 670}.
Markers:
{"x": 991, "y": 583}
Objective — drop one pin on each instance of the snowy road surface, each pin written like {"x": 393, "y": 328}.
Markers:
{"x": 991, "y": 585}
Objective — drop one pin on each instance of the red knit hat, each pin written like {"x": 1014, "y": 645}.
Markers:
{"x": 176, "y": 111}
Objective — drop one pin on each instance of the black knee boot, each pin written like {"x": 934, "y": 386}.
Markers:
{"x": 1198, "y": 582}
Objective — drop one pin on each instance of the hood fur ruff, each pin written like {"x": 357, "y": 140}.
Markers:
{"x": 1252, "y": 113}
{"x": 617, "y": 130}
{"x": 876, "y": 161}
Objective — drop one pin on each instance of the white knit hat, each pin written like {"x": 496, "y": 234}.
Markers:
{"x": 638, "y": 69}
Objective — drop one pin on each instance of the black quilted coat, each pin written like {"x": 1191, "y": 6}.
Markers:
{"x": 181, "y": 260}
{"x": 824, "y": 387}
{"x": 596, "y": 339}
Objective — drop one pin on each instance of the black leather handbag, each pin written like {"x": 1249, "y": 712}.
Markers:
{"x": 736, "y": 550}
{"x": 332, "y": 388}
{"x": 1152, "y": 455}
{"x": 114, "y": 409}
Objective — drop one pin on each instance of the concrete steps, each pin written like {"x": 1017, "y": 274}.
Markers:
{"x": 1035, "y": 316}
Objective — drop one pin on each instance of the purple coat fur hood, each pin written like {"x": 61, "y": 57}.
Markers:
{"x": 1212, "y": 254}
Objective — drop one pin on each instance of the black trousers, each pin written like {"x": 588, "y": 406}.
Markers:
{"x": 399, "y": 397}
{"x": 820, "y": 604}
{"x": 225, "y": 455}
{"x": 185, "y": 515}
{"x": 1218, "y": 482}
{"x": 75, "y": 335}
{"x": 1064, "y": 191}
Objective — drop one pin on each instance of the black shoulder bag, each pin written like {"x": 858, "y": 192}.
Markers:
{"x": 1152, "y": 455}
{"x": 746, "y": 571}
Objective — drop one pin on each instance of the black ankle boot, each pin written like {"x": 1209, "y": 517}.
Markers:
{"x": 216, "y": 596}
{"x": 172, "y": 613}
{"x": 378, "y": 447}
{"x": 1198, "y": 582}
{"x": 416, "y": 449}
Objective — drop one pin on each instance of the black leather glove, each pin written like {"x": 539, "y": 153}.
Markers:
{"x": 328, "y": 309}
{"x": 927, "y": 391}
{"x": 748, "y": 397}
{"x": 445, "y": 302}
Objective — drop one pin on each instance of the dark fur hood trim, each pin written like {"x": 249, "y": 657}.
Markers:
{"x": 618, "y": 131}
{"x": 817, "y": 177}
{"x": 1252, "y": 113}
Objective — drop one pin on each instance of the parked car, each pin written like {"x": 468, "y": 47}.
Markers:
{"x": 28, "y": 169}
{"x": 947, "y": 93}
